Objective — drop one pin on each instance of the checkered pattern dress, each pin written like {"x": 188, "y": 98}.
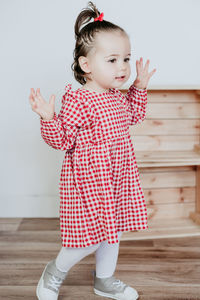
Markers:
{"x": 100, "y": 189}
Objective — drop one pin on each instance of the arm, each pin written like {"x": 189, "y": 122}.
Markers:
{"x": 136, "y": 103}
{"x": 60, "y": 132}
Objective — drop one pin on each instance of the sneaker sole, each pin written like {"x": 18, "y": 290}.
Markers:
{"x": 100, "y": 293}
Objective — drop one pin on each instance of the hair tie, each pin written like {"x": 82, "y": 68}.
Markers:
{"x": 99, "y": 18}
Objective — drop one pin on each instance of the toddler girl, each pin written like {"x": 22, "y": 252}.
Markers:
{"x": 100, "y": 189}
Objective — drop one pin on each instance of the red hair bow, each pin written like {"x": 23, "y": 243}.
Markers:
{"x": 100, "y": 17}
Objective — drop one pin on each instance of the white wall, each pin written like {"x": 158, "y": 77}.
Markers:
{"x": 37, "y": 42}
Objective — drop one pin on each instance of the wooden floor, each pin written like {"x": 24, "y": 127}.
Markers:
{"x": 158, "y": 268}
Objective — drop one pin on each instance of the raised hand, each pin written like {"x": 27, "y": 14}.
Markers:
{"x": 143, "y": 76}
{"x": 40, "y": 106}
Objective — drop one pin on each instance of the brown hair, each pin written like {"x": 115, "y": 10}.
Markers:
{"x": 85, "y": 37}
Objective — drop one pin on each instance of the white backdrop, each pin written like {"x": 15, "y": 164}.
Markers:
{"x": 37, "y": 42}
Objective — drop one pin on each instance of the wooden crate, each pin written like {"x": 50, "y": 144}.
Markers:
{"x": 167, "y": 149}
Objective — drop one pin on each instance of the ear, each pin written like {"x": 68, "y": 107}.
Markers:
{"x": 84, "y": 64}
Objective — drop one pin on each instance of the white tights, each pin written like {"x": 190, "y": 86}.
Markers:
{"x": 106, "y": 257}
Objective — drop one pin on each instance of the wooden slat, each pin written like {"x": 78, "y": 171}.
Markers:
{"x": 173, "y": 110}
{"x": 168, "y": 195}
{"x": 166, "y": 158}
{"x": 170, "y": 211}
{"x": 167, "y": 169}
{"x": 198, "y": 190}
{"x": 165, "y": 164}
{"x": 176, "y": 178}
{"x": 195, "y": 216}
{"x": 165, "y": 142}
{"x": 166, "y": 127}
{"x": 173, "y": 96}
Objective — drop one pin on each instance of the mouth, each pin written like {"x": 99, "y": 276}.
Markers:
{"x": 120, "y": 77}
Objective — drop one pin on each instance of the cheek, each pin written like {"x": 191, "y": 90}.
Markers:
{"x": 110, "y": 68}
{"x": 101, "y": 68}
{"x": 129, "y": 70}
{"x": 106, "y": 69}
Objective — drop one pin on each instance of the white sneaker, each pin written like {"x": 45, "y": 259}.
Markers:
{"x": 50, "y": 282}
{"x": 113, "y": 288}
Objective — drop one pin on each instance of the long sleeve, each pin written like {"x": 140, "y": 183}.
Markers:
{"x": 136, "y": 104}
{"x": 61, "y": 131}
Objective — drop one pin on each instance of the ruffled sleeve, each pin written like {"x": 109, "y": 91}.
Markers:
{"x": 135, "y": 101}
{"x": 61, "y": 131}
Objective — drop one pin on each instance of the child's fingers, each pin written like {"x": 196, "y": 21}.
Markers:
{"x": 52, "y": 100}
{"x": 38, "y": 95}
{"x": 146, "y": 65}
{"x": 33, "y": 96}
{"x": 32, "y": 100}
{"x": 33, "y": 92}
{"x": 137, "y": 66}
{"x": 152, "y": 72}
{"x": 141, "y": 62}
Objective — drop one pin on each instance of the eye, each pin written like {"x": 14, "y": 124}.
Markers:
{"x": 112, "y": 60}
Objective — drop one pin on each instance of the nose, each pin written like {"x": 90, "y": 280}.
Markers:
{"x": 122, "y": 65}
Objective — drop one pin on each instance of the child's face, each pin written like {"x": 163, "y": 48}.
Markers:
{"x": 109, "y": 60}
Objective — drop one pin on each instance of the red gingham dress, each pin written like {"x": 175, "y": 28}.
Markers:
{"x": 100, "y": 189}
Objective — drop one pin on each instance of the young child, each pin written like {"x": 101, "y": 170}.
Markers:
{"x": 100, "y": 189}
